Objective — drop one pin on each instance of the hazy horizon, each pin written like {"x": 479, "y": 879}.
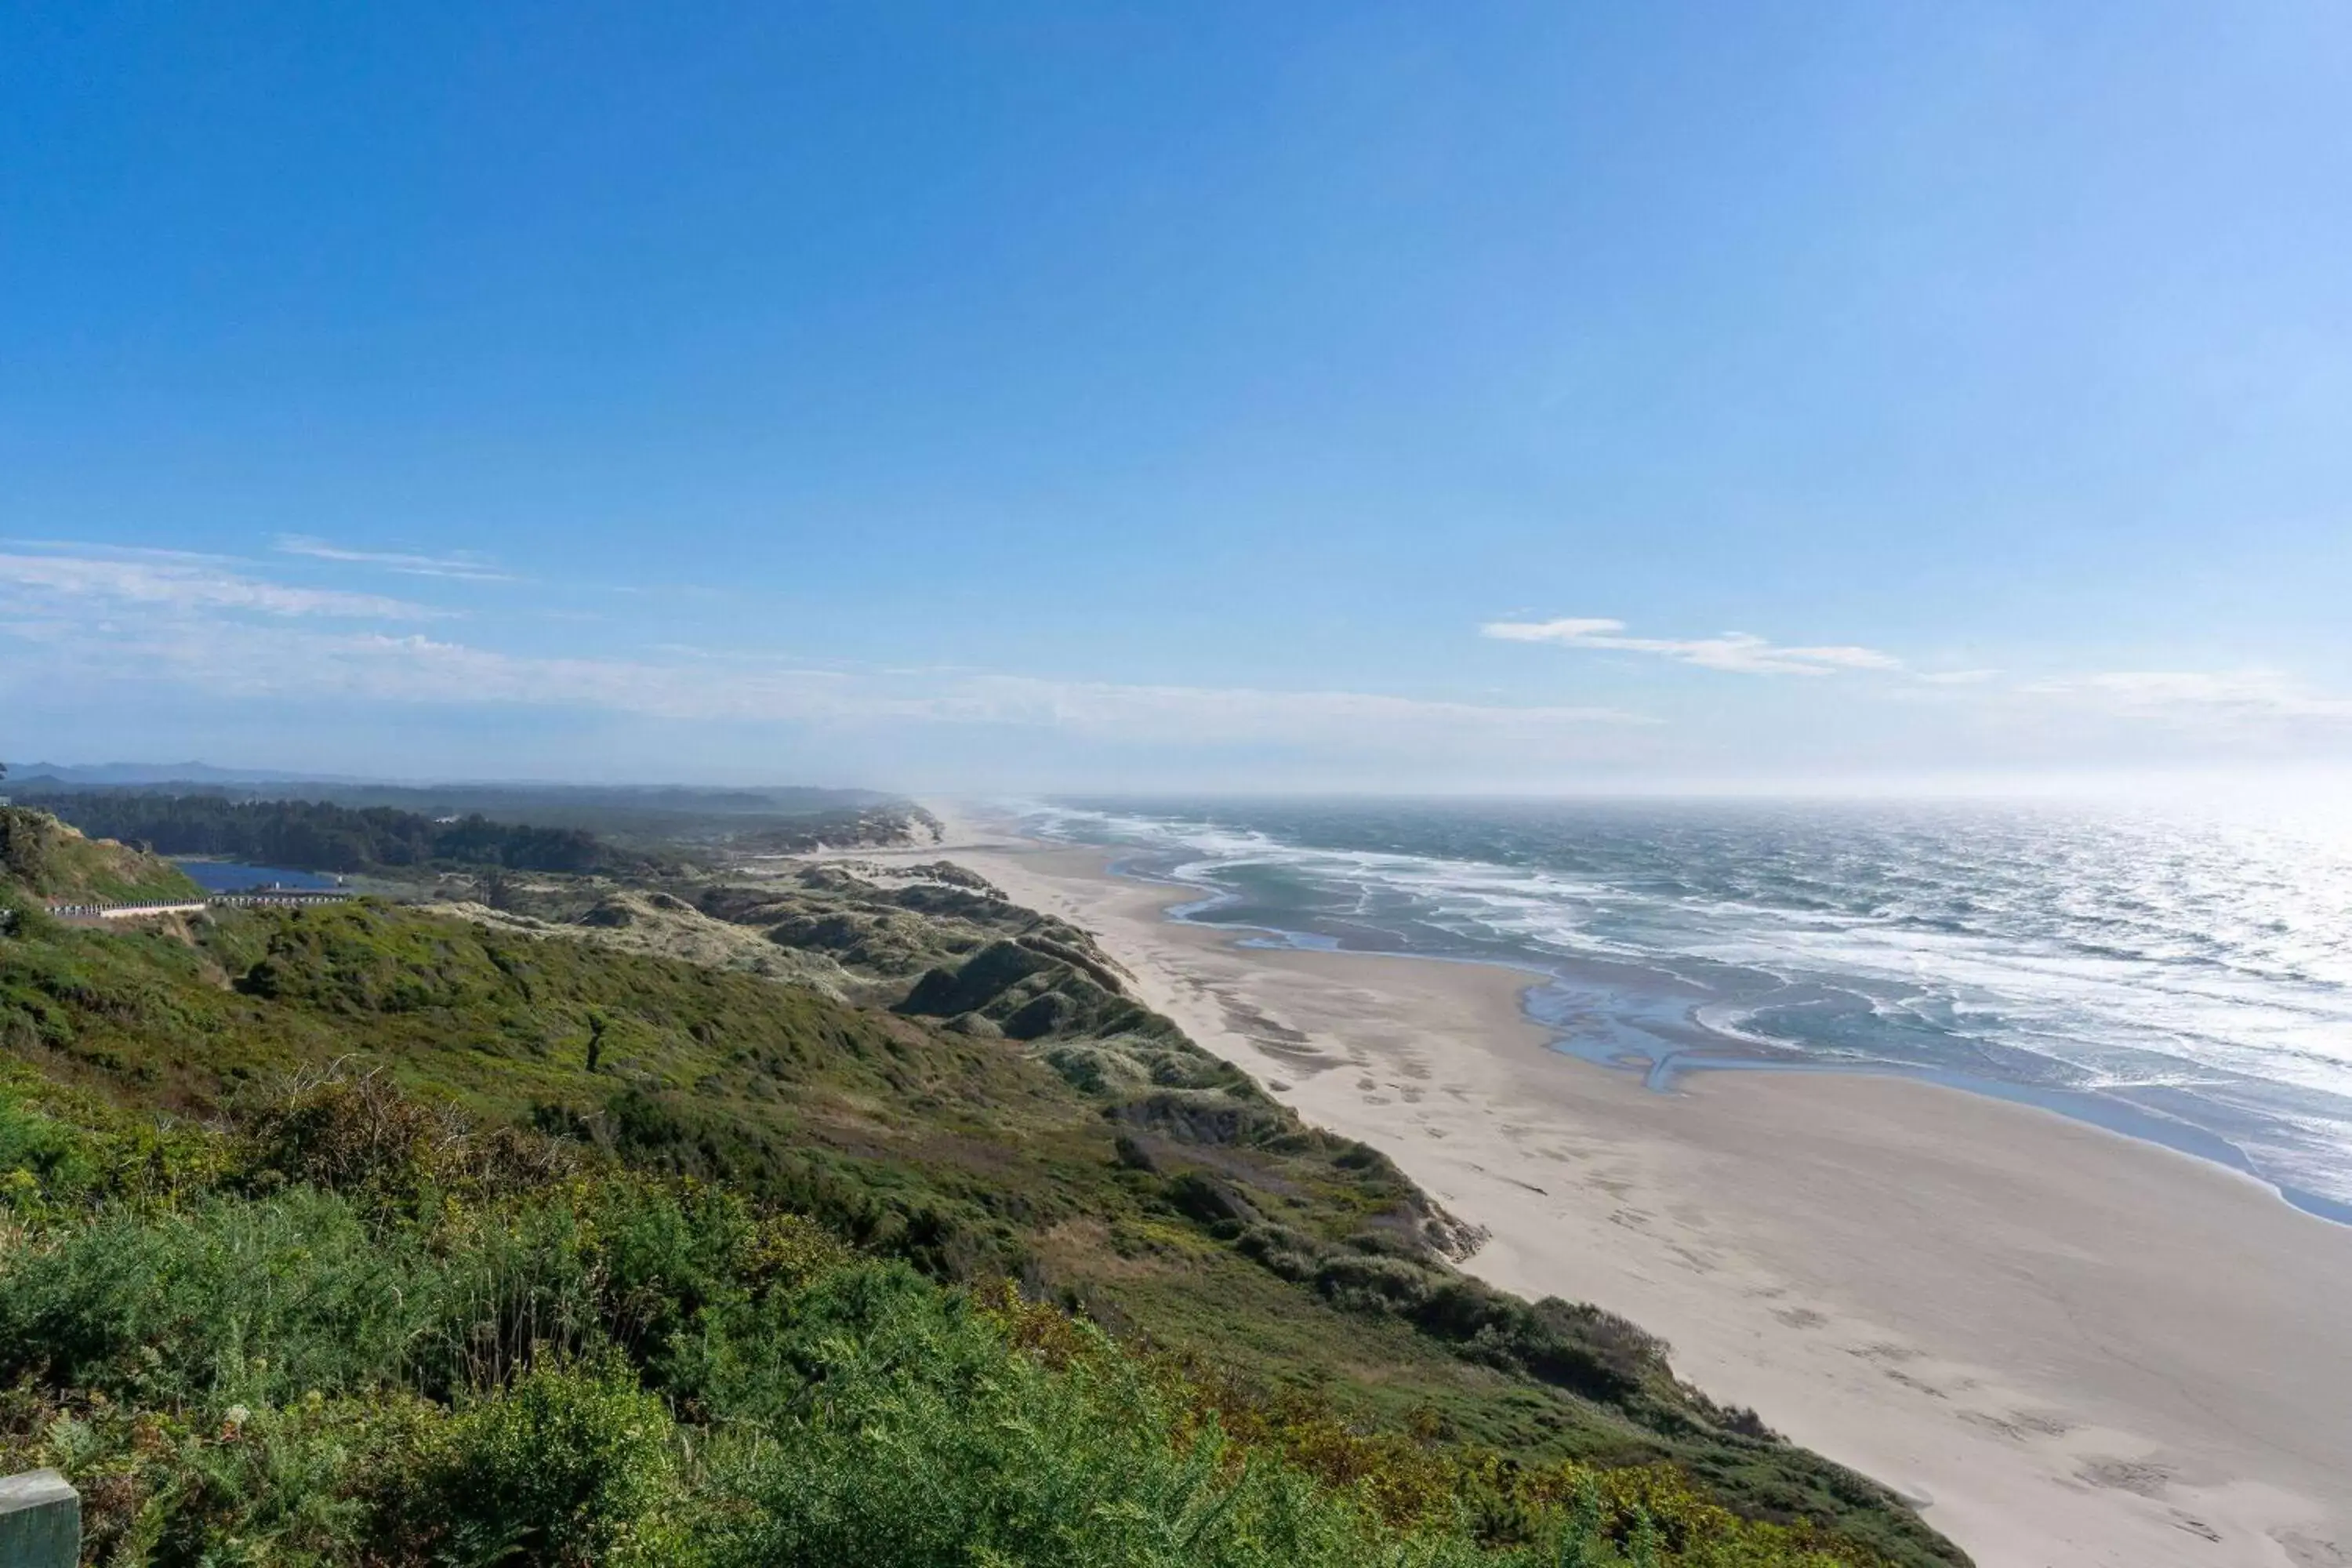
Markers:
{"x": 2308, "y": 797}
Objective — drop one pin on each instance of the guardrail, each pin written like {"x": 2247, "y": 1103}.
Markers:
{"x": 127, "y": 910}
{"x": 112, "y": 911}
{"x": 296, "y": 896}
{"x": 40, "y": 1522}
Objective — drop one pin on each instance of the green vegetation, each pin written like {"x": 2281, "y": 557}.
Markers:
{"x": 313, "y": 835}
{"x": 42, "y": 858}
{"x": 389, "y": 826}
{"x": 361, "y": 1234}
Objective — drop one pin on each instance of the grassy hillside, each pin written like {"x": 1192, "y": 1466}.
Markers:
{"x": 794, "y": 1339}
{"x": 42, "y": 858}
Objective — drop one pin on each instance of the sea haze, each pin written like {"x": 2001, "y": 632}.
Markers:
{"x": 2181, "y": 978}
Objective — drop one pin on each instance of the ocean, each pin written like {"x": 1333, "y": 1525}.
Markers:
{"x": 2175, "y": 976}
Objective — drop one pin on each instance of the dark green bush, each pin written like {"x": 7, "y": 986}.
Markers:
{"x": 260, "y": 1301}
{"x": 572, "y": 1466}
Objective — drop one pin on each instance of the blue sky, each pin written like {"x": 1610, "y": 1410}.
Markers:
{"x": 1018, "y": 396}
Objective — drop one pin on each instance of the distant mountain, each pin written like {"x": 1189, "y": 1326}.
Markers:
{"x": 492, "y": 796}
{"x": 35, "y": 773}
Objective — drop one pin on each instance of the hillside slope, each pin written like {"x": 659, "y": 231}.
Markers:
{"x": 41, "y": 858}
{"x": 1013, "y": 1115}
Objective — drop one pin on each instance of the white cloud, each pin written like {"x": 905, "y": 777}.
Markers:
{"x": 109, "y": 620}
{"x": 463, "y": 564}
{"x": 163, "y": 584}
{"x": 2260, "y": 695}
{"x": 116, "y": 551}
{"x": 1739, "y": 652}
{"x": 111, "y": 624}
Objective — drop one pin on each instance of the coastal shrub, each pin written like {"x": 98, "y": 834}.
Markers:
{"x": 42, "y": 1160}
{"x": 511, "y": 1282}
{"x": 351, "y": 1133}
{"x": 264, "y": 1299}
{"x": 574, "y": 1465}
{"x": 354, "y": 1131}
{"x": 259, "y": 1300}
{"x": 927, "y": 1441}
{"x": 62, "y": 1150}
{"x": 230, "y": 1484}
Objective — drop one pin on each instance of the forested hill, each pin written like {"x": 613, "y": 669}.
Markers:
{"x": 314, "y": 836}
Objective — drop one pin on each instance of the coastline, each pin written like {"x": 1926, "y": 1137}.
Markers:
{"x": 2042, "y": 1331}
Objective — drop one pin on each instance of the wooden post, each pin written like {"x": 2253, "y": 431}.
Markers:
{"x": 40, "y": 1522}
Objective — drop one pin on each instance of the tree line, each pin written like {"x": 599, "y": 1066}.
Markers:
{"x": 314, "y": 836}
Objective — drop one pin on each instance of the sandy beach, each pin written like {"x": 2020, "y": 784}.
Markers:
{"x": 2070, "y": 1347}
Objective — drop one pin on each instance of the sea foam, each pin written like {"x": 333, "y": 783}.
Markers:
{"x": 2196, "y": 971}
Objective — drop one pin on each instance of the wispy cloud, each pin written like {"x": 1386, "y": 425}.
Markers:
{"x": 258, "y": 661}
{"x": 462, "y": 565}
{"x": 61, "y": 584}
{"x": 1739, "y": 652}
{"x": 120, "y": 622}
{"x": 2258, "y": 695}
{"x": 115, "y": 552}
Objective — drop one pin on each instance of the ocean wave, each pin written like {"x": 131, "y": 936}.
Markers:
{"x": 2206, "y": 964}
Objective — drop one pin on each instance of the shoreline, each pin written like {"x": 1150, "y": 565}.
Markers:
{"x": 1665, "y": 1073}
{"x": 1674, "y": 1070}
{"x": 2039, "y": 1328}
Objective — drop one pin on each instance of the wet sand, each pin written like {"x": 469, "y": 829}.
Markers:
{"x": 2071, "y": 1347}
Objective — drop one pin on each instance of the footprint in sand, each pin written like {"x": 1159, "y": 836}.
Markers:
{"x": 1884, "y": 1350}
{"x": 1917, "y": 1385}
{"x": 2019, "y": 1426}
{"x": 2139, "y": 1476}
{"x": 2310, "y": 1551}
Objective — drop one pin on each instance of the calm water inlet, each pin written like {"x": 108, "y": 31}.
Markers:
{"x": 231, "y": 876}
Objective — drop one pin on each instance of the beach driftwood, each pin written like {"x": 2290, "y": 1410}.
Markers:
{"x": 40, "y": 1522}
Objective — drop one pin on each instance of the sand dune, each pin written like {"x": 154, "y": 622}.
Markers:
{"x": 2072, "y": 1348}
